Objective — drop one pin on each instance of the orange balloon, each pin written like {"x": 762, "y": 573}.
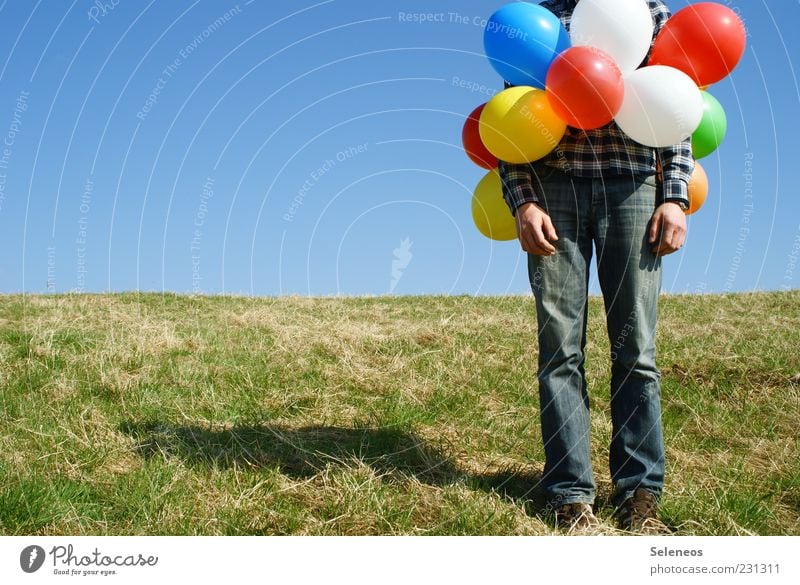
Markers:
{"x": 518, "y": 125}
{"x": 698, "y": 189}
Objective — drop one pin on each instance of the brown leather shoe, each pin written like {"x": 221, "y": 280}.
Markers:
{"x": 577, "y": 517}
{"x": 639, "y": 513}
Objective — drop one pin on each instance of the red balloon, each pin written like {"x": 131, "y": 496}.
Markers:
{"x": 473, "y": 144}
{"x": 705, "y": 41}
{"x": 585, "y": 87}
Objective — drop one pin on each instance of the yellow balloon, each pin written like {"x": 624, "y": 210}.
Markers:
{"x": 518, "y": 125}
{"x": 490, "y": 212}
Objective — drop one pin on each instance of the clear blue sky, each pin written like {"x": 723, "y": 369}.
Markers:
{"x": 293, "y": 146}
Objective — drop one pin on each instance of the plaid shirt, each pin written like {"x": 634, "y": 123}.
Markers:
{"x": 604, "y": 151}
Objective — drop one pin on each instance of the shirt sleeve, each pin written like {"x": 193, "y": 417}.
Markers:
{"x": 518, "y": 185}
{"x": 677, "y": 166}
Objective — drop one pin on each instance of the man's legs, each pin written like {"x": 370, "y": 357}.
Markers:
{"x": 630, "y": 278}
{"x": 560, "y": 285}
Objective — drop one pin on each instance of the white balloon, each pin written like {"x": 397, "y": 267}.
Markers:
{"x": 662, "y": 106}
{"x": 621, "y": 28}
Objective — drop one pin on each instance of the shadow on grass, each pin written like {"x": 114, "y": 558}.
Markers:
{"x": 303, "y": 452}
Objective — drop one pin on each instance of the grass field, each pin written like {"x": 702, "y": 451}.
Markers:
{"x": 151, "y": 414}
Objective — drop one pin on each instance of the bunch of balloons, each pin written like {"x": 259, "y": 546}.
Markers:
{"x": 596, "y": 74}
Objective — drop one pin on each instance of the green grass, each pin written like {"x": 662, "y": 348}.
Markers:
{"x": 154, "y": 414}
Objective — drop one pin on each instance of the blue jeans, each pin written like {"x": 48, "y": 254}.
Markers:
{"x": 613, "y": 214}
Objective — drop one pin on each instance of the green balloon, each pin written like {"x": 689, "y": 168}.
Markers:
{"x": 711, "y": 131}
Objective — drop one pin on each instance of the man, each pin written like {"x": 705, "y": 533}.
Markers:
{"x": 600, "y": 187}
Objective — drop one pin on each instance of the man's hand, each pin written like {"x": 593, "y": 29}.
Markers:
{"x": 667, "y": 229}
{"x": 535, "y": 230}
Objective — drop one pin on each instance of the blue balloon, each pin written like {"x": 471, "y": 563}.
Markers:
{"x": 521, "y": 40}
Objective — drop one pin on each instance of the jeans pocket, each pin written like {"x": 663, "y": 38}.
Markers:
{"x": 650, "y": 181}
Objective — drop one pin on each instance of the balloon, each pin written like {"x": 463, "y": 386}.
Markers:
{"x": 471, "y": 139}
{"x": 661, "y": 107}
{"x": 698, "y": 189}
{"x": 712, "y": 129}
{"x": 490, "y": 212}
{"x": 585, "y": 87}
{"x": 521, "y": 40}
{"x": 621, "y": 28}
{"x": 705, "y": 41}
{"x": 518, "y": 125}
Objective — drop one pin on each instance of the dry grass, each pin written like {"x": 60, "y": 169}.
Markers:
{"x": 150, "y": 414}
